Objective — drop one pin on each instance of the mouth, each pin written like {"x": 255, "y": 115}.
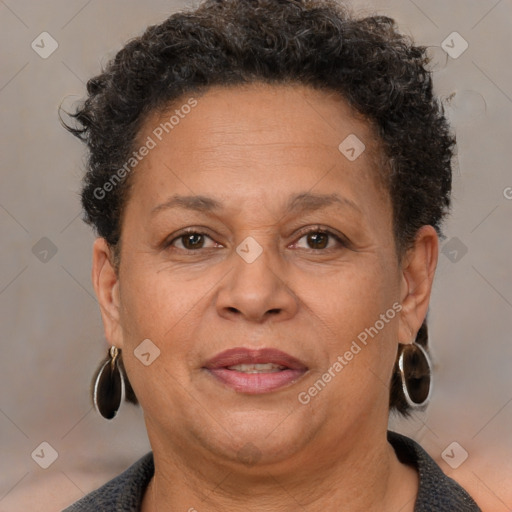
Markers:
{"x": 257, "y": 368}
{"x": 255, "y": 371}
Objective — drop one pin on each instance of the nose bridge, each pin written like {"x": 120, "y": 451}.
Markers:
{"x": 256, "y": 286}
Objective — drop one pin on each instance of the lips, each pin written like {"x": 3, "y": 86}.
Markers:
{"x": 255, "y": 371}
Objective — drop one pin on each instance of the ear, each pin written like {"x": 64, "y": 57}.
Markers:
{"x": 418, "y": 269}
{"x": 106, "y": 285}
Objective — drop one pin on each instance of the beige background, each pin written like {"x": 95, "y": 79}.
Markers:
{"x": 51, "y": 332}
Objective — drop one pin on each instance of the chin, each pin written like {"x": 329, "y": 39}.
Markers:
{"x": 258, "y": 438}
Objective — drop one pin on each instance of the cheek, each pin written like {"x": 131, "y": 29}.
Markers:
{"x": 158, "y": 308}
{"x": 351, "y": 299}
{"x": 156, "y": 303}
{"x": 356, "y": 308}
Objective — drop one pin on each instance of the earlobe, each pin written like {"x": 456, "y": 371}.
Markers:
{"x": 418, "y": 269}
{"x": 106, "y": 285}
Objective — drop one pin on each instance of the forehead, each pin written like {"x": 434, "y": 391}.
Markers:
{"x": 259, "y": 107}
{"x": 257, "y": 134}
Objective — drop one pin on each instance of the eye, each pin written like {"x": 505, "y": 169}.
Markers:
{"x": 190, "y": 240}
{"x": 318, "y": 239}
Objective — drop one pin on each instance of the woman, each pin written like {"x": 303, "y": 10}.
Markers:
{"x": 267, "y": 180}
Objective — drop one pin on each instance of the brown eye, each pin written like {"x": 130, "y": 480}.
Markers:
{"x": 319, "y": 239}
{"x": 190, "y": 241}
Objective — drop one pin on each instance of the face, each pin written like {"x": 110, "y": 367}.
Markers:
{"x": 258, "y": 258}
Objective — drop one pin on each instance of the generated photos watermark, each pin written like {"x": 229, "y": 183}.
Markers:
{"x": 304, "y": 397}
{"x": 151, "y": 142}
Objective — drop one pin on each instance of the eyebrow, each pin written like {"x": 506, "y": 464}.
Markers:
{"x": 298, "y": 203}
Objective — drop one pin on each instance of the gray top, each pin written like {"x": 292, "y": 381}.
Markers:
{"x": 437, "y": 492}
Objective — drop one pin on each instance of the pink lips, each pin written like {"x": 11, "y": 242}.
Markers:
{"x": 255, "y": 383}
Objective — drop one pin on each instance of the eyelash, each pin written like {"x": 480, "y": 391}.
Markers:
{"x": 316, "y": 229}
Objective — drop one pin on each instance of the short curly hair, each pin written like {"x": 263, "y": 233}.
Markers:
{"x": 319, "y": 43}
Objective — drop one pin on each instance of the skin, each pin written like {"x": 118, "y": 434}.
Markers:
{"x": 251, "y": 148}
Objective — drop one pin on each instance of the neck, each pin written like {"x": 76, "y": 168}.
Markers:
{"x": 365, "y": 476}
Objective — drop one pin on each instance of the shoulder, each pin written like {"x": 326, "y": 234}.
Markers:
{"x": 437, "y": 491}
{"x": 124, "y": 492}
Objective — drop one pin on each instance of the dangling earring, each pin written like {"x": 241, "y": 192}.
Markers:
{"x": 415, "y": 371}
{"x": 108, "y": 385}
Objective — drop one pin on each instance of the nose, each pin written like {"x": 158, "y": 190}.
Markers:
{"x": 256, "y": 290}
